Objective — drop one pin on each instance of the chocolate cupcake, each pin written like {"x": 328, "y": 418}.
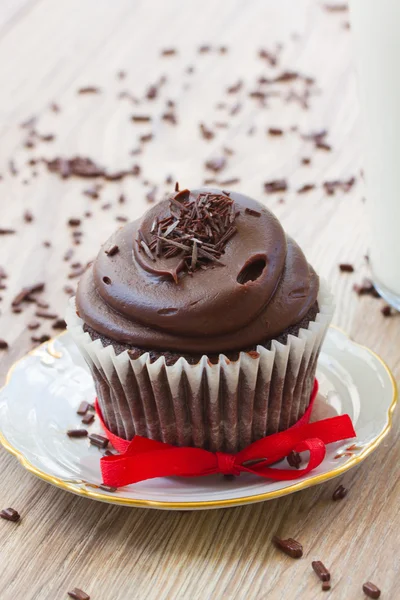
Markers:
{"x": 201, "y": 323}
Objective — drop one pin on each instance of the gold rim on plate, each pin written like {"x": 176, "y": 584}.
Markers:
{"x": 81, "y": 491}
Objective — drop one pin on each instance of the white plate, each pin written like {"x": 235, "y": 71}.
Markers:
{"x": 43, "y": 390}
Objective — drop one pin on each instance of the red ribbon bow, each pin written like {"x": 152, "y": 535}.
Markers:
{"x": 143, "y": 458}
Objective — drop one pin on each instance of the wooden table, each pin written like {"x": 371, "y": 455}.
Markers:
{"x": 50, "y": 49}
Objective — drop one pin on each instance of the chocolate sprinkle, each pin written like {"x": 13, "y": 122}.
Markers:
{"x": 25, "y": 293}
{"x": 326, "y": 586}
{"x": 346, "y": 268}
{"x": 294, "y": 459}
{"x": 6, "y": 231}
{"x": 339, "y": 493}
{"x": 371, "y": 590}
{"x": 253, "y": 213}
{"x": 307, "y": 187}
{"x": 3, "y": 344}
{"x": 107, "y": 488}
{"x": 321, "y": 571}
{"x": 197, "y": 230}
{"x": 112, "y": 251}
{"x": 88, "y": 419}
{"x": 275, "y": 131}
{"x": 10, "y": 514}
{"x": 98, "y": 440}
{"x": 276, "y": 185}
{"x": 83, "y": 408}
{"x": 78, "y": 594}
{"x": 90, "y": 89}
{"x": 77, "y": 433}
{"x": 291, "y": 547}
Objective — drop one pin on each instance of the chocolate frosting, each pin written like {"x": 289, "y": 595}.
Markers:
{"x": 264, "y": 286}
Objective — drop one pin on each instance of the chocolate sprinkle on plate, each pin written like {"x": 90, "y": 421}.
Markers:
{"x": 3, "y": 344}
{"x": 88, "y": 419}
{"x": 291, "y": 547}
{"x": 10, "y": 514}
{"x": 98, "y": 440}
{"x": 77, "y": 433}
{"x": 294, "y": 459}
{"x": 83, "y": 408}
{"x": 6, "y": 231}
{"x": 339, "y": 493}
{"x": 107, "y": 488}
{"x": 371, "y": 590}
{"x": 78, "y": 594}
{"x": 275, "y": 131}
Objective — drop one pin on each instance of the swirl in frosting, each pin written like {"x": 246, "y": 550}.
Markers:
{"x": 260, "y": 285}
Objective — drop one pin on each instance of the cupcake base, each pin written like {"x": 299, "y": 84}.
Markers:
{"x": 220, "y": 403}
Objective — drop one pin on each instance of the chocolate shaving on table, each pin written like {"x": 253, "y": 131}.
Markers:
{"x": 24, "y": 294}
{"x": 307, "y": 187}
{"x": 86, "y": 168}
{"x": 371, "y": 590}
{"x": 233, "y": 181}
{"x": 270, "y": 57}
{"x": 216, "y": 164}
{"x": 291, "y": 547}
{"x": 320, "y": 570}
{"x": 40, "y": 339}
{"x": 346, "y": 268}
{"x": 388, "y": 311}
{"x": 336, "y": 7}
{"x": 233, "y": 89}
{"x": 366, "y": 288}
{"x": 339, "y": 493}
{"x": 343, "y": 185}
{"x": 197, "y": 230}
{"x": 10, "y": 514}
{"x": 206, "y": 132}
{"x": 140, "y": 118}
{"x": 59, "y": 324}
{"x": 168, "y": 52}
{"x": 12, "y": 167}
{"x": 89, "y": 89}
{"x": 276, "y": 185}
{"x": 78, "y": 594}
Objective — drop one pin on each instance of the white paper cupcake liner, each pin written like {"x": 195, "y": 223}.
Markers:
{"x": 220, "y": 407}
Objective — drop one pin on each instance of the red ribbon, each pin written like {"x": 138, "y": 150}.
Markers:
{"x": 143, "y": 458}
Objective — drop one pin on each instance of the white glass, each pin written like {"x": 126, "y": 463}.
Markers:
{"x": 376, "y": 31}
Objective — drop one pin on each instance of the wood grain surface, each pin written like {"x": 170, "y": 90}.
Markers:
{"x": 47, "y": 51}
